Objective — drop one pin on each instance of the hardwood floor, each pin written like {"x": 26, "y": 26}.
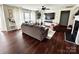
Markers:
{"x": 17, "y": 43}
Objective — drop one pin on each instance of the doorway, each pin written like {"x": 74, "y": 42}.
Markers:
{"x": 64, "y": 17}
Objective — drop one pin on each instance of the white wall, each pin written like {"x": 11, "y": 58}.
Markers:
{"x": 2, "y": 17}
{"x": 6, "y": 16}
{"x": 73, "y": 11}
{"x": 17, "y": 16}
{"x": 58, "y": 13}
{"x": 33, "y": 16}
{"x": 57, "y": 16}
{"x": 77, "y": 38}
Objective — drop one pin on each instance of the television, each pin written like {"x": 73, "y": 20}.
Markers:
{"x": 49, "y": 16}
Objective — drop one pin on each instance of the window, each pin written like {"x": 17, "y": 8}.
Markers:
{"x": 27, "y": 16}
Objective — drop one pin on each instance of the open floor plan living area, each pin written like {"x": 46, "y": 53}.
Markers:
{"x": 39, "y": 28}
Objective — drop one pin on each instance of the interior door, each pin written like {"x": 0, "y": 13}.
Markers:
{"x": 64, "y": 17}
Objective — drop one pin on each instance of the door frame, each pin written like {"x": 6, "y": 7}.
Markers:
{"x": 60, "y": 16}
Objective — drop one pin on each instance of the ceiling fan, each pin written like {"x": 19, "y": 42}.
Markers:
{"x": 44, "y": 8}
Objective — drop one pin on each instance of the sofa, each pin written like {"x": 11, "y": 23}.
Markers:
{"x": 37, "y": 32}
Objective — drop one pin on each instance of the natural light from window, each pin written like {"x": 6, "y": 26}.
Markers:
{"x": 27, "y": 16}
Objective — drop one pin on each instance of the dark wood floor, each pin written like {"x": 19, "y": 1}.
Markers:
{"x": 17, "y": 43}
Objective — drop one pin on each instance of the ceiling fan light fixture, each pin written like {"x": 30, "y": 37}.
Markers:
{"x": 43, "y": 7}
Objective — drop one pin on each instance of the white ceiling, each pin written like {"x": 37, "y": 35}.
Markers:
{"x": 38, "y": 6}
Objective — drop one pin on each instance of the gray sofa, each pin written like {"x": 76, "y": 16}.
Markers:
{"x": 34, "y": 31}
